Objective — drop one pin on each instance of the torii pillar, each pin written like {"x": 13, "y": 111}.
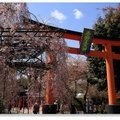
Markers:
{"x": 49, "y": 91}
{"x": 112, "y": 108}
{"x": 50, "y": 107}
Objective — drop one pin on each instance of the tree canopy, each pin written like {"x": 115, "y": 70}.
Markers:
{"x": 109, "y": 26}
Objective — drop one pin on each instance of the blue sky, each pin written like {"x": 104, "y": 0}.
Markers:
{"x": 69, "y": 15}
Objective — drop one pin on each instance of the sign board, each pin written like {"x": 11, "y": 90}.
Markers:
{"x": 86, "y": 40}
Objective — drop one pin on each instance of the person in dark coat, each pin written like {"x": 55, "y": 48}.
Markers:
{"x": 90, "y": 107}
{"x": 9, "y": 108}
{"x": 36, "y": 108}
{"x": 73, "y": 109}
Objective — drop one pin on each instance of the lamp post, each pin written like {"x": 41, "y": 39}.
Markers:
{"x": 29, "y": 78}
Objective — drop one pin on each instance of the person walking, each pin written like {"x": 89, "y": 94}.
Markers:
{"x": 58, "y": 106}
{"x": 102, "y": 108}
{"x": 90, "y": 107}
{"x": 72, "y": 109}
{"x": 9, "y": 107}
{"x": 95, "y": 110}
{"x": 36, "y": 108}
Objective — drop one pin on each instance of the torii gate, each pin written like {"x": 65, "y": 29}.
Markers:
{"x": 107, "y": 54}
{"x": 112, "y": 107}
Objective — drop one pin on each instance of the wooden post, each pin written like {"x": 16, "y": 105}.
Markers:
{"x": 110, "y": 75}
{"x": 28, "y": 105}
{"x": 16, "y": 104}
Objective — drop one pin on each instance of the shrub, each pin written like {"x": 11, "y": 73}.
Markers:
{"x": 2, "y": 107}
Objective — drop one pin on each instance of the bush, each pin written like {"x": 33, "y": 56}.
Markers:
{"x": 80, "y": 104}
{"x": 2, "y": 107}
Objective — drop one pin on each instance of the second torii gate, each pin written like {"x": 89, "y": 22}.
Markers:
{"x": 107, "y": 54}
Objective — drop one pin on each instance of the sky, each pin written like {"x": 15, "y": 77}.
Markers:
{"x": 69, "y": 15}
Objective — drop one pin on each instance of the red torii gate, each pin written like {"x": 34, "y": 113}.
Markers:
{"x": 107, "y": 54}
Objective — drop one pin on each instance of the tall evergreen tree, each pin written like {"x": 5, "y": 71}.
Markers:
{"x": 106, "y": 27}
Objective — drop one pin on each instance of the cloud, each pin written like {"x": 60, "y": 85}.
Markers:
{"x": 78, "y": 14}
{"x": 58, "y": 15}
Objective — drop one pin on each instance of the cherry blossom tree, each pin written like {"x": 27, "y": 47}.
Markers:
{"x": 22, "y": 44}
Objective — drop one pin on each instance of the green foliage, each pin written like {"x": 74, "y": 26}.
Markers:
{"x": 25, "y": 83}
{"x": 106, "y": 27}
{"x": 118, "y": 101}
{"x": 97, "y": 68}
{"x": 92, "y": 81}
{"x": 2, "y": 107}
{"x": 80, "y": 104}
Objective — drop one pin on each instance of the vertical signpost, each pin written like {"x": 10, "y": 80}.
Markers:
{"x": 86, "y": 40}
